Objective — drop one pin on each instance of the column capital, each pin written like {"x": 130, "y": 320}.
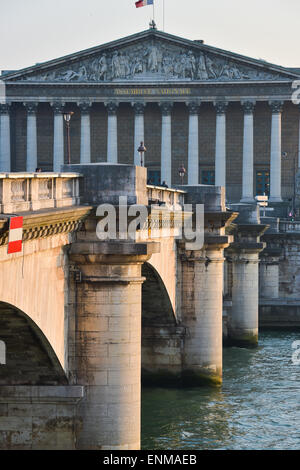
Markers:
{"x": 276, "y": 106}
{"x": 58, "y": 107}
{"x": 5, "y": 108}
{"x": 84, "y": 106}
{"x": 31, "y": 107}
{"x": 248, "y": 106}
{"x": 166, "y": 107}
{"x": 221, "y": 107}
{"x": 112, "y": 107}
{"x": 193, "y": 106}
{"x": 139, "y": 107}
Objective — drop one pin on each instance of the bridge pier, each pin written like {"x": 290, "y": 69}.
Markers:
{"x": 244, "y": 256}
{"x": 107, "y": 352}
{"x": 202, "y": 274}
{"x": 269, "y": 273}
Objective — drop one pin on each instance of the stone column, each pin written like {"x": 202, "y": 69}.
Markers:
{"x": 244, "y": 256}
{"x": 166, "y": 143}
{"x": 112, "y": 132}
{"x": 108, "y": 343}
{"x": 31, "y": 161}
{"x": 139, "y": 109}
{"x": 202, "y": 306}
{"x": 193, "y": 146}
{"x": 269, "y": 274}
{"x": 275, "y": 164}
{"x": 248, "y": 150}
{"x": 5, "y": 150}
{"x": 85, "y": 140}
{"x": 220, "y": 159}
{"x": 58, "y": 140}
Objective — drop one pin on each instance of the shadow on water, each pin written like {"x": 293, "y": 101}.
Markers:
{"x": 256, "y": 408}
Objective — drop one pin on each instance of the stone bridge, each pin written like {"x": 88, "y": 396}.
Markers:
{"x": 84, "y": 319}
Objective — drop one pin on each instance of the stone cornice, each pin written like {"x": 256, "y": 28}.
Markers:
{"x": 110, "y": 252}
{"x": 46, "y": 223}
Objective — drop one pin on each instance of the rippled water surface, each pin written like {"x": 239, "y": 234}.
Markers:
{"x": 258, "y": 406}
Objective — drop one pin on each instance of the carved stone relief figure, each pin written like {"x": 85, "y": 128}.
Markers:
{"x": 178, "y": 67}
{"x": 202, "y": 72}
{"x": 210, "y": 68}
{"x": 103, "y": 68}
{"x": 167, "y": 66}
{"x": 155, "y": 57}
{"x": 124, "y": 66}
{"x": 137, "y": 66}
{"x": 115, "y": 65}
{"x": 193, "y": 66}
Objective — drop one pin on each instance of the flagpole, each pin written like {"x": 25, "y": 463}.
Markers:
{"x": 163, "y": 15}
{"x": 153, "y": 12}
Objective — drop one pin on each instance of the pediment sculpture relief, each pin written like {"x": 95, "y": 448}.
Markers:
{"x": 153, "y": 61}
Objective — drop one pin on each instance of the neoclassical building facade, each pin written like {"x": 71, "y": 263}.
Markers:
{"x": 229, "y": 119}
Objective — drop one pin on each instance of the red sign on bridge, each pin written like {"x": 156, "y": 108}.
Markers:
{"x": 15, "y": 235}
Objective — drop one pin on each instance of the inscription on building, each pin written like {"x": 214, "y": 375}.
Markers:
{"x": 152, "y": 91}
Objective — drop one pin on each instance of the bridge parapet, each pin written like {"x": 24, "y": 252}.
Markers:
{"x": 173, "y": 199}
{"x": 289, "y": 226}
{"x": 21, "y": 192}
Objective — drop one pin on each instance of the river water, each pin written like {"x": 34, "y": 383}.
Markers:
{"x": 258, "y": 406}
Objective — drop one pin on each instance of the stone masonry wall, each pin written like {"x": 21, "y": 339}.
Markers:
{"x": 38, "y": 418}
{"x": 289, "y": 269}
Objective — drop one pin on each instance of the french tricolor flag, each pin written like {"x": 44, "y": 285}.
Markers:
{"x": 143, "y": 3}
{"x": 15, "y": 235}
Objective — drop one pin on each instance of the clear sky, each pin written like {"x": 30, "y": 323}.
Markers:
{"x": 38, "y": 30}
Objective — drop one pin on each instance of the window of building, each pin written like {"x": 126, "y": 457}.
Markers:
{"x": 208, "y": 177}
{"x": 262, "y": 182}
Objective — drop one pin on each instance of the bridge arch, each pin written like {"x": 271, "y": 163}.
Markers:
{"x": 157, "y": 309}
{"x": 30, "y": 359}
{"x": 162, "y": 336}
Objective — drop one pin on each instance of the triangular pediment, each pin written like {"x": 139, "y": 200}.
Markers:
{"x": 152, "y": 56}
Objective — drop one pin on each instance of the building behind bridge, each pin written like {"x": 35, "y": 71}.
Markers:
{"x": 228, "y": 119}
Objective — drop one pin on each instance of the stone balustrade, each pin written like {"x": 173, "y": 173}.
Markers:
{"x": 21, "y": 192}
{"x": 173, "y": 199}
{"x": 289, "y": 226}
